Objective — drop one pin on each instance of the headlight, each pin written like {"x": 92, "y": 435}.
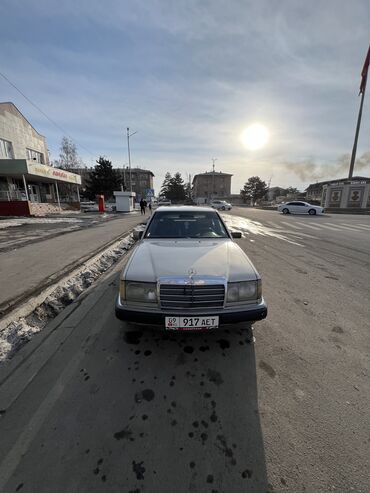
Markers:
{"x": 244, "y": 291}
{"x": 144, "y": 292}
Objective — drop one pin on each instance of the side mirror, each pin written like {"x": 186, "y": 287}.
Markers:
{"x": 236, "y": 234}
{"x": 137, "y": 234}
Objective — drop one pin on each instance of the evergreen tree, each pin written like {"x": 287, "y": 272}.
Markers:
{"x": 176, "y": 191}
{"x": 173, "y": 188}
{"x": 165, "y": 186}
{"x": 103, "y": 180}
{"x": 254, "y": 189}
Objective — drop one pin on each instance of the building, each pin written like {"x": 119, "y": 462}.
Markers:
{"x": 353, "y": 194}
{"x": 142, "y": 180}
{"x": 274, "y": 192}
{"x": 211, "y": 185}
{"x": 28, "y": 184}
{"x": 314, "y": 191}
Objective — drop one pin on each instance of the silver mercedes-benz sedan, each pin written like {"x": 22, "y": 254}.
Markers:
{"x": 187, "y": 273}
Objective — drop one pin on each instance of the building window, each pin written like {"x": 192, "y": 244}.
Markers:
{"x": 35, "y": 156}
{"x": 6, "y": 149}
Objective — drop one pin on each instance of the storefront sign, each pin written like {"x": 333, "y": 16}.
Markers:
{"x": 54, "y": 173}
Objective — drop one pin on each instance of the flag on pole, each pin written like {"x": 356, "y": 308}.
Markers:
{"x": 364, "y": 72}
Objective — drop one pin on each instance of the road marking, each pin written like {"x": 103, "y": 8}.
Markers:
{"x": 270, "y": 224}
{"x": 345, "y": 228}
{"x": 329, "y": 226}
{"x": 291, "y": 225}
{"x": 309, "y": 226}
{"x": 359, "y": 226}
{"x": 299, "y": 234}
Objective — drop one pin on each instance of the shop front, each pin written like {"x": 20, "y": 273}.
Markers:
{"x": 32, "y": 189}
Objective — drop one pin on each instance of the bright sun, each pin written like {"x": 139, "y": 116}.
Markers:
{"x": 255, "y": 136}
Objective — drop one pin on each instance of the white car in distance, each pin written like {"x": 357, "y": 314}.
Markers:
{"x": 221, "y": 205}
{"x": 298, "y": 207}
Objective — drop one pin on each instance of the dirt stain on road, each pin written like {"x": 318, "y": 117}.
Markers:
{"x": 147, "y": 395}
{"x": 126, "y": 434}
{"x": 133, "y": 336}
{"x": 337, "y": 329}
{"x": 215, "y": 377}
{"x": 138, "y": 469}
{"x": 267, "y": 368}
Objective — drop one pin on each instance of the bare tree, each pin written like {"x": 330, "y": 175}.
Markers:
{"x": 68, "y": 156}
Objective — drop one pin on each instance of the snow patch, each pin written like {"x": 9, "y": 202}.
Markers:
{"x": 37, "y": 220}
{"x": 18, "y": 332}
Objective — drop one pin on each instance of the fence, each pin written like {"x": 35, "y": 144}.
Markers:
{"x": 10, "y": 195}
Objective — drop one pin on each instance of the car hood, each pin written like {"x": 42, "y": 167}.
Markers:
{"x": 152, "y": 259}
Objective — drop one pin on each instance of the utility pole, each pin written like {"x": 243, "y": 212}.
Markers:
{"x": 213, "y": 177}
{"x": 129, "y": 154}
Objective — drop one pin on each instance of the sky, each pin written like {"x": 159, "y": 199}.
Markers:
{"x": 189, "y": 77}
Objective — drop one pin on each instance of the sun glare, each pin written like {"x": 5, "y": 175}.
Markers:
{"x": 255, "y": 136}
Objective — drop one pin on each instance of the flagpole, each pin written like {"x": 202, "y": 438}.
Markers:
{"x": 362, "y": 92}
{"x": 354, "y": 150}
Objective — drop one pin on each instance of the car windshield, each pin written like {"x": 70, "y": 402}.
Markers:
{"x": 186, "y": 224}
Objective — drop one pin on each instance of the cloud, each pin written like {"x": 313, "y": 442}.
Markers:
{"x": 309, "y": 170}
{"x": 189, "y": 76}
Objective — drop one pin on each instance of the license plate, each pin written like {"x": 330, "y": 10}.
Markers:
{"x": 191, "y": 323}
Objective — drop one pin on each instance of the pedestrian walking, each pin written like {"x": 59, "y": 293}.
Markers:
{"x": 150, "y": 207}
{"x": 142, "y": 206}
{"x": 145, "y": 206}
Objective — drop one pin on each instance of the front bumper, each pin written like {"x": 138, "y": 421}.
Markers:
{"x": 226, "y": 317}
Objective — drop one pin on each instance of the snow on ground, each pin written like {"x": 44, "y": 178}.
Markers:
{"x": 37, "y": 220}
{"x": 17, "y": 333}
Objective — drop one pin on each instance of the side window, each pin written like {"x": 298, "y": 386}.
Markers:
{"x": 300, "y": 203}
{"x": 6, "y": 149}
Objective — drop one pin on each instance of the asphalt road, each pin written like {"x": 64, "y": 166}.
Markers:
{"x": 36, "y": 254}
{"x": 88, "y": 406}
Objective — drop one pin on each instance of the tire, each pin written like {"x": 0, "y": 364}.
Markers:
{"x": 285, "y": 211}
{"x": 312, "y": 212}
{"x": 223, "y": 208}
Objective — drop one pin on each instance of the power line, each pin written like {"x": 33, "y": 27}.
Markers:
{"x": 45, "y": 115}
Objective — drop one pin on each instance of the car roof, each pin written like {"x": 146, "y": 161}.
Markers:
{"x": 185, "y": 208}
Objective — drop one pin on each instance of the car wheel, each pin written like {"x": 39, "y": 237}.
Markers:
{"x": 285, "y": 211}
{"x": 223, "y": 208}
{"x": 312, "y": 212}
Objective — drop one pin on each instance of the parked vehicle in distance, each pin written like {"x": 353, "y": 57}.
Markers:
{"x": 187, "y": 273}
{"x": 298, "y": 207}
{"x": 164, "y": 202}
{"x": 221, "y": 205}
{"x": 89, "y": 206}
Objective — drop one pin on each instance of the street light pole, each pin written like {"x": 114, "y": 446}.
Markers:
{"x": 129, "y": 154}
{"x": 213, "y": 177}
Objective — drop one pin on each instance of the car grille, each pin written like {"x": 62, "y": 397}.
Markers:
{"x": 192, "y": 296}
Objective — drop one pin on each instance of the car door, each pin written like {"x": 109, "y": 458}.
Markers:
{"x": 300, "y": 208}
{"x": 291, "y": 207}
